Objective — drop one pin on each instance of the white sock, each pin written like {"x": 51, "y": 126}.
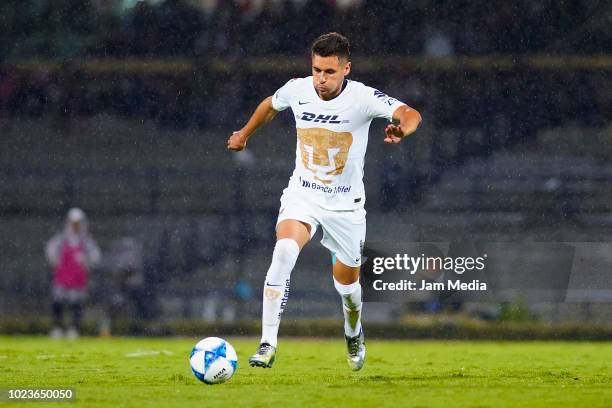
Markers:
{"x": 351, "y": 305}
{"x": 276, "y": 288}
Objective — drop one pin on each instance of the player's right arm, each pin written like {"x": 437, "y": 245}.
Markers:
{"x": 262, "y": 115}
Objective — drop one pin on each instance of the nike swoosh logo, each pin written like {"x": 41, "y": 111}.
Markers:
{"x": 302, "y": 103}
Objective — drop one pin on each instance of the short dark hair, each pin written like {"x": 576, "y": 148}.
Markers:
{"x": 331, "y": 44}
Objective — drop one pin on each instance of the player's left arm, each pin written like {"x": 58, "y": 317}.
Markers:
{"x": 409, "y": 120}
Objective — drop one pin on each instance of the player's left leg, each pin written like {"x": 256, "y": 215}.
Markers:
{"x": 346, "y": 282}
{"x": 343, "y": 234}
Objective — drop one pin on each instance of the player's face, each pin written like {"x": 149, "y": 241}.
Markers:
{"x": 328, "y": 75}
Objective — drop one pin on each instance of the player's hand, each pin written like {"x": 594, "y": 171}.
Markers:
{"x": 237, "y": 141}
{"x": 393, "y": 133}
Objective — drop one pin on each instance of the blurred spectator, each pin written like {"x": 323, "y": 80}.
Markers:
{"x": 72, "y": 253}
{"x": 127, "y": 286}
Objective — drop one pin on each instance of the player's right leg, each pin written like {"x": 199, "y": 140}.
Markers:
{"x": 291, "y": 236}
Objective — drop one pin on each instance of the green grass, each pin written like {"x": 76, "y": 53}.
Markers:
{"x": 312, "y": 373}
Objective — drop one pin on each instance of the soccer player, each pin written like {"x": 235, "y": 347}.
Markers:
{"x": 332, "y": 117}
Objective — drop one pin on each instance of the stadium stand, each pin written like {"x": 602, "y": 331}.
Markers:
{"x": 107, "y": 109}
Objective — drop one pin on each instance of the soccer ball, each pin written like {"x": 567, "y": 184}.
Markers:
{"x": 213, "y": 360}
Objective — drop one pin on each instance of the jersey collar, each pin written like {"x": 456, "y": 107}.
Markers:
{"x": 331, "y": 102}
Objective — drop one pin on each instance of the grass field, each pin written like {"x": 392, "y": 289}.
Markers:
{"x": 140, "y": 372}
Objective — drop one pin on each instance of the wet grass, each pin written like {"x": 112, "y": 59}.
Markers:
{"x": 151, "y": 372}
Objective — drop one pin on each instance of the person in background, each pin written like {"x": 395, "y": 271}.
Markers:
{"x": 72, "y": 253}
{"x": 126, "y": 285}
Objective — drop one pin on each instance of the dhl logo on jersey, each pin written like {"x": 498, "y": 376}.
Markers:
{"x": 313, "y": 117}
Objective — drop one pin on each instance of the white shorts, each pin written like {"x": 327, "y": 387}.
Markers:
{"x": 343, "y": 231}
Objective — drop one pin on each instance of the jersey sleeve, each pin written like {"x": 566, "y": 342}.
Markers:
{"x": 281, "y": 99}
{"x": 377, "y": 104}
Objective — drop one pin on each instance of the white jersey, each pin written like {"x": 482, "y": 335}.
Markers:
{"x": 332, "y": 137}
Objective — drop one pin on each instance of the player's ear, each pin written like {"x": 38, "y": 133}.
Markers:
{"x": 347, "y": 68}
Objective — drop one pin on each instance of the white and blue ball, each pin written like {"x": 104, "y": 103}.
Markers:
{"x": 213, "y": 360}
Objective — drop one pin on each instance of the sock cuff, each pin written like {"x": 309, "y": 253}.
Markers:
{"x": 346, "y": 289}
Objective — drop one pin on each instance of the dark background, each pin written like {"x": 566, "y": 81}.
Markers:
{"x": 123, "y": 108}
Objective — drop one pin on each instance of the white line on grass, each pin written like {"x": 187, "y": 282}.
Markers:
{"x": 145, "y": 353}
